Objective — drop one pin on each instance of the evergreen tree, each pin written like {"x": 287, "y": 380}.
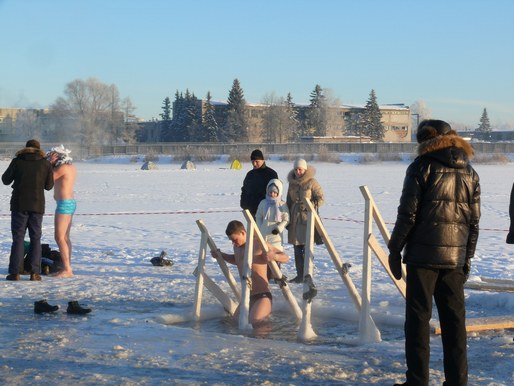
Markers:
{"x": 209, "y": 121}
{"x": 176, "y": 121}
{"x": 186, "y": 118}
{"x": 317, "y": 113}
{"x": 192, "y": 131}
{"x": 372, "y": 119}
{"x": 236, "y": 125}
{"x": 484, "y": 129}
{"x": 293, "y": 132}
{"x": 166, "y": 118}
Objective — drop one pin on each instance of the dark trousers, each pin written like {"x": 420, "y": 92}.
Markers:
{"x": 20, "y": 222}
{"x": 299, "y": 259}
{"x": 446, "y": 286}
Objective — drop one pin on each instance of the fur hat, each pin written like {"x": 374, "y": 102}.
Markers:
{"x": 431, "y": 128}
{"x": 257, "y": 155}
{"x": 33, "y": 143}
{"x": 300, "y": 163}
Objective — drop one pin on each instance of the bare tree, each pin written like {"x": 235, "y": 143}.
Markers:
{"x": 27, "y": 125}
{"x": 279, "y": 119}
{"x": 130, "y": 125}
{"x": 89, "y": 112}
{"x": 334, "y": 122}
{"x": 420, "y": 111}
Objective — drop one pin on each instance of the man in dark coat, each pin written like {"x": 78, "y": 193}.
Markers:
{"x": 255, "y": 182}
{"x": 437, "y": 229}
{"x": 30, "y": 174}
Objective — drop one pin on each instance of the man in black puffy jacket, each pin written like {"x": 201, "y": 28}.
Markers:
{"x": 255, "y": 182}
{"x": 30, "y": 174}
{"x": 437, "y": 230}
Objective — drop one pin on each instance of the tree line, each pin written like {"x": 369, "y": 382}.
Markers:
{"x": 90, "y": 112}
{"x": 188, "y": 119}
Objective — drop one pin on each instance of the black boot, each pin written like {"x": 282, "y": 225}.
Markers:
{"x": 13, "y": 277}
{"x": 42, "y": 306}
{"x": 75, "y": 308}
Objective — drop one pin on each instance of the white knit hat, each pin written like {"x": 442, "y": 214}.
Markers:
{"x": 300, "y": 163}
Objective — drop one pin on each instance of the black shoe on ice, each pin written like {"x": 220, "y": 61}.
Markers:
{"x": 75, "y": 308}
{"x": 42, "y": 306}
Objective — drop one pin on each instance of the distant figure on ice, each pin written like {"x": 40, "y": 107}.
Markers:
{"x": 272, "y": 214}
{"x": 260, "y": 294}
{"x": 255, "y": 182}
{"x": 30, "y": 174}
{"x": 302, "y": 184}
{"x": 65, "y": 174}
{"x": 437, "y": 229}
{"x": 510, "y": 235}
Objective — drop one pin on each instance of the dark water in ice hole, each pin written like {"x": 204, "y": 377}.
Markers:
{"x": 282, "y": 326}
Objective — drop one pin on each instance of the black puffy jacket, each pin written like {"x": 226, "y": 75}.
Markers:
{"x": 439, "y": 209}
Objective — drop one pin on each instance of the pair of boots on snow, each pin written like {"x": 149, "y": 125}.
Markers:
{"x": 42, "y": 306}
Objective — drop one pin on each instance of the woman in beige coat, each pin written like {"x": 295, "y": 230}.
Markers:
{"x": 302, "y": 184}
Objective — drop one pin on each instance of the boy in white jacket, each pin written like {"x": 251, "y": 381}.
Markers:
{"x": 272, "y": 214}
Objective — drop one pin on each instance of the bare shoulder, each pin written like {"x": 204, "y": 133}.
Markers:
{"x": 66, "y": 169}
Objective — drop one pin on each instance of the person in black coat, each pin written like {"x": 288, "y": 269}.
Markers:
{"x": 437, "y": 230}
{"x": 253, "y": 190}
{"x": 30, "y": 174}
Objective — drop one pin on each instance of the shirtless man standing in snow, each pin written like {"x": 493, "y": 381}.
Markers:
{"x": 260, "y": 294}
{"x": 64, "y": 180}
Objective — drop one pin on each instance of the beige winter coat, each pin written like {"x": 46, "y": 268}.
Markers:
{"x": 299, "y": 188}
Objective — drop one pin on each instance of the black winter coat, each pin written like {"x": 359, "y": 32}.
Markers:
{"x": 254, "y": 187}
{"x": 32, "y": 174}
{"x": 439, "y": 209}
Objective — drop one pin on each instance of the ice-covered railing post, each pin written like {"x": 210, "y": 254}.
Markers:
{"x": 371, "y": 243}
{"x": 306, "y": 332}
{"x": 202, "y": 279}
{"x": 275, "y": 270}
{"x": 372, "y": 213}
{"x": 342, "y": 268}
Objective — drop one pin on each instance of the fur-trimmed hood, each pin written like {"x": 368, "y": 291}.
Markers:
{"x": 452, "y": 150}
{"x": 308, "y": 175}
{"x": 278, "y": 184}
{"x": 31, "y": 151}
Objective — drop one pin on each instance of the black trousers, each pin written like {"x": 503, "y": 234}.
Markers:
{"x": 20, "y": 222}
{"x": 446, "y": 286}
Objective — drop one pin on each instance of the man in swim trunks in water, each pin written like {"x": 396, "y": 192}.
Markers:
{"x": 64, "y": 180}
{"x": 260, "y": 294}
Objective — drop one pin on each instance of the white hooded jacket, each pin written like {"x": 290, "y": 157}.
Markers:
{"x": 269, "y": 223}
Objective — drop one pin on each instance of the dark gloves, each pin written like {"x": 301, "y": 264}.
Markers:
{"x": 395, "y": 264}
{"x": 466, "y": 269}
{"x": 274, "y": 231}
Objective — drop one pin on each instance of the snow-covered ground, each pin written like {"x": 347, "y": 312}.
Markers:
{"x": 141, "y": 331}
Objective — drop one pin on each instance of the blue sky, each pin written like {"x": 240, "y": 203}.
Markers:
{"x": 456, "y": 56}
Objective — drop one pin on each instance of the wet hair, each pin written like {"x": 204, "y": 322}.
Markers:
{"x": 234, "y": 227}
